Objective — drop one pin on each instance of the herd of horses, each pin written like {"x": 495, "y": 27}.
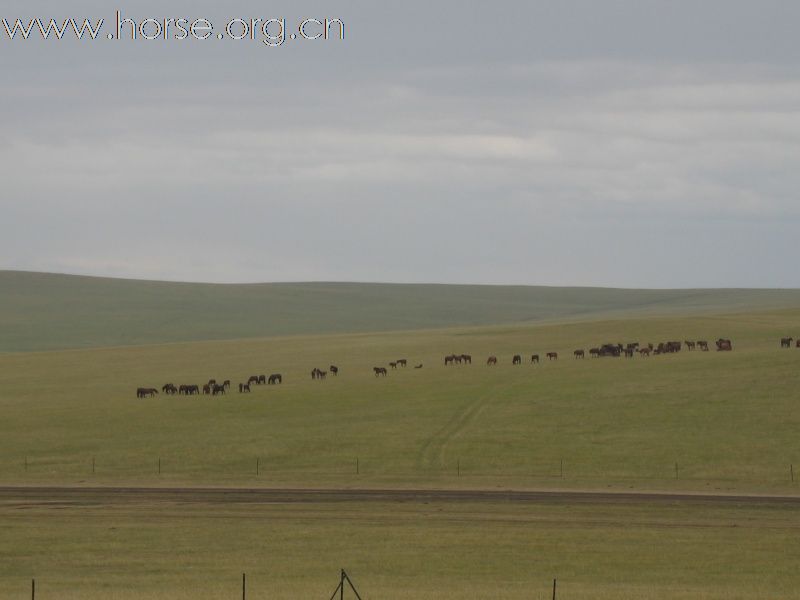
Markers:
{"x": 214, "y": 388}
{"x": 787, "y": 342}
{"x": 628, "y": 350}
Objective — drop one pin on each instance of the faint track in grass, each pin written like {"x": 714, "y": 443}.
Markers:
{"x": 434, "y": 450}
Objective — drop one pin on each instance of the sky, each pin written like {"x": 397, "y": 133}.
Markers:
{"x": 634, "y": 143}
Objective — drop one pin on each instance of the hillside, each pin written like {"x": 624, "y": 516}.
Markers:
{"x": 40, "y": 311}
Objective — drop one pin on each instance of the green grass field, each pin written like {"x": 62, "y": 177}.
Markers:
{"x": 700, "y": 422}
{"x": 400, "y": 551}
{"x": 728, "y": 419}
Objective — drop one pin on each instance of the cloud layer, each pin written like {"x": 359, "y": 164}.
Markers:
{"x": 620, "y": 160}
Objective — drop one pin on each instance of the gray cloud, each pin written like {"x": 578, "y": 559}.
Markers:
{"x": 617, "y": 143}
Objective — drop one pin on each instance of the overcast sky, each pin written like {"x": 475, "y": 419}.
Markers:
{"x": 631, "y": 143}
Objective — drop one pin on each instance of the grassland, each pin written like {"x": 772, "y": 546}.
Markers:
{"x": 699, "y": 422}
{"x": 40, "y": 311}
{"x": 729, "y": 420}
{"x": 400, "y": 551}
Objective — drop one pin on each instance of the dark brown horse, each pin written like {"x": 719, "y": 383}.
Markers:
{"x": 467, "y": 358}
{"x": 275, "y": 379}
{"x": 146, "y": 392}
{"x": 334, "y": 370}
{"x": 724, "y": 345}
{"x": 380, "y": 371}
{"x": 492, "y": 361}
{"x": 253, "y": 379}
{"x": 170, "y": 389}
{"x": 517, "y": 360}
{"x": 393, "y": 365}
{"x": 244, "y": 388}
{"x": 786, "y": 342}
{"x": 703, "y": 345}
{"x": 552, "y": 356}
{"x": 579, "y": 354}
{"x": 402, "y": 362}
{"x": 207, "y": 389}
{"x": 534, "y": 359}
{"x": 449, "y": 360}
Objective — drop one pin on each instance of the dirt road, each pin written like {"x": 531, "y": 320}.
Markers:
{"x": 148, "y": 495}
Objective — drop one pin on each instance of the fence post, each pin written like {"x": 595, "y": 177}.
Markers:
{"x": 554, "y": 588}
{"x": 33, "y": 589}
{"x": 258, "y": 465}
{"x": 791, "y": 471}
{"x": 159, "y": 465}
{"x": 93, "y": 465}
{"x": 244, "y": 586}
{"x": 341, "y": 586}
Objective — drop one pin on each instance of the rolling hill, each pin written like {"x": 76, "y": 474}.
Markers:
{"x": 42, "y": 311}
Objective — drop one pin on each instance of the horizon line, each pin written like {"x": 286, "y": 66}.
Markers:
{"x": 386, "y": 283}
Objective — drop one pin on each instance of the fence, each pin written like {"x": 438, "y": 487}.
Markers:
{"x": 345, "y": 584}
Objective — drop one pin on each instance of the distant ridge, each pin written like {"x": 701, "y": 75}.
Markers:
{"x": 42, "y": 311}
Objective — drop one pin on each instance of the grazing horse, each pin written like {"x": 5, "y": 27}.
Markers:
{"x": 191, "y": 390}
{"x": 535, "y": 359}
{"x": 393, "y": 365}
{"x": 402, "y": 362}
{"x": 244, "y": 388}
{"x": 517, "y": 360}
{"x": 579, "y": 354}
{"x": 467, "y": 358}
{"x": 689, "y": 345}
{"x": 253, "y": 379}
{"x": 724, "y": 345}
{"x": 552, "y": 356}
{"x": 703, "y": 345}
{"x": 212, "y": 382}
{"x": 449, "y": 360}
{"x": 183, "y": 390}
{"x": 644, "y": 351}
{"x": 218, "y": 389}
{"x": 146, "y": 392}
{"x": 275, "y": 378}
{"x": 594, "y": 352}
{"x": 786, "y": 342}
{"x": 170, "y": 389}
{"x": 206, "y": 389}
{"x": 334, "y": 370}
{"x": 262, "y": 379}
{"x": 380, "y": 371}
{"x": 492, "y": 361}
{"x": 629, "y": 352}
